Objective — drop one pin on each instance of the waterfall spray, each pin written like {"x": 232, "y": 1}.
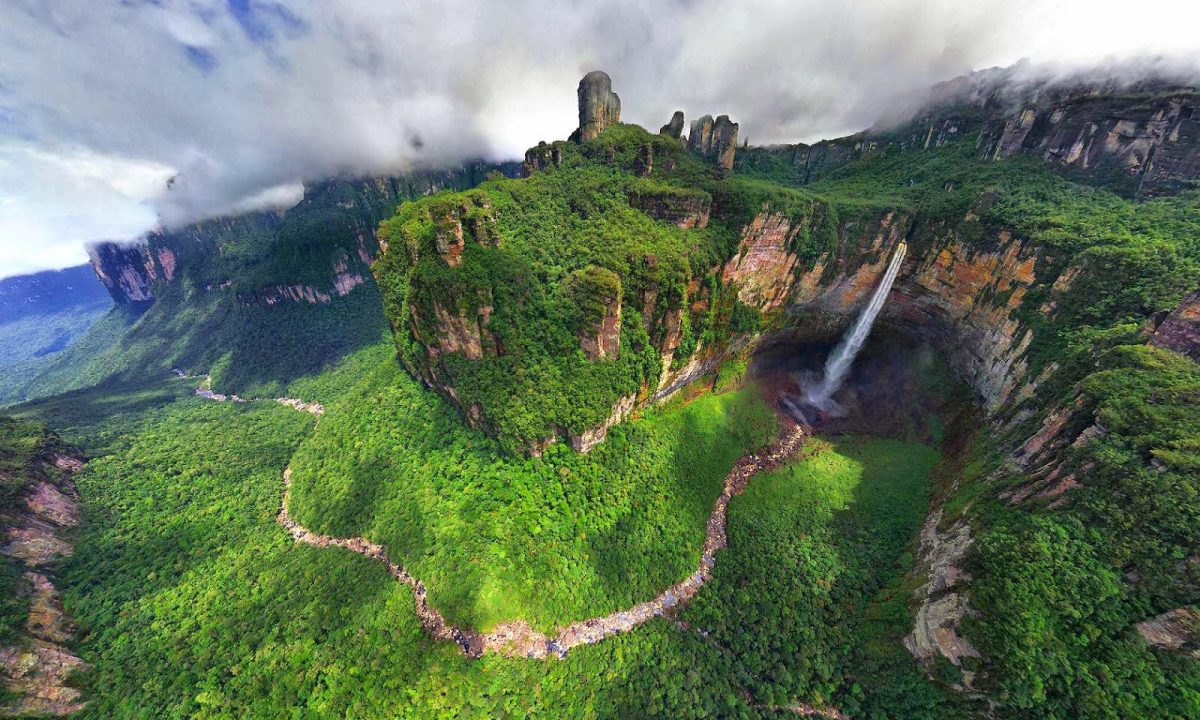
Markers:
{"x": 839, "y": 361}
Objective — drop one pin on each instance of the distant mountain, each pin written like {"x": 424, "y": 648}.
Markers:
{"x": 50, "y": 292}
{"x": 1135, "y": 133}
{"x": 41, "y": 315}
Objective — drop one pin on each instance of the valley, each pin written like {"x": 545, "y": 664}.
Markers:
{"x": 566, "y": 440}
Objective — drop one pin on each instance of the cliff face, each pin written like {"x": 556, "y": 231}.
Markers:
{"x": 331, "y": 231}
{"x": 956, "y": 296}
{"x": 682, "y": 209}
{"x": 773, "y": 259}
{"x": 122, "y": 270}
{"x": 1144, "y": 144}
{"x": 959, "y": 297}
{"x": 1153, "y": 146}
{"x": 133, "y": 272}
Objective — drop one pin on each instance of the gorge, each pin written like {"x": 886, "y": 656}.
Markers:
{"x": 549, "y": 412}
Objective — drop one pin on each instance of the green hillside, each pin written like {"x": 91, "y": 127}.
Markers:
{"x": 551, "y": 402}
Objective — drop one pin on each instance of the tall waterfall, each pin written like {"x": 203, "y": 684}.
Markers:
{"x": 839, "y": 362}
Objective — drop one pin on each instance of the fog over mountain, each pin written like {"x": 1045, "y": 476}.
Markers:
{"x": 115, "y": 118}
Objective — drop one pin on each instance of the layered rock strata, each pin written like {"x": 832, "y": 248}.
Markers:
{"x": 1087, "y": 125}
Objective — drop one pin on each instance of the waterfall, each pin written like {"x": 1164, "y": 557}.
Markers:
{"x": 839, "y": 361}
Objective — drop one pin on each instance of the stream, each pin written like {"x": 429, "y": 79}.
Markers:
{"x": 518, "y": 638}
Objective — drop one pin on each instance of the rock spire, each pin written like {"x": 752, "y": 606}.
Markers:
{"x": 716, "y": 140}
{"x": 599, "y": 106}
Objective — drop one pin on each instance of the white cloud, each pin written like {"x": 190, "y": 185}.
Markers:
{"x": 46, "y": 195}
{"x": 100, "y": 101}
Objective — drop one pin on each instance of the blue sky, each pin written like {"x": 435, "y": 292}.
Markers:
{"x": 242, "y": 100}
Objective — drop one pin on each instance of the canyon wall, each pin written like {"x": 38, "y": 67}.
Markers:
{"x": 330, "y": 234}
{"x": 963, "y": 297}
{"x": 131, "y": 271}
{"x": 1143, "y": 145}
{"x": 804, "y": 271}
{"x": 957, "y": 296}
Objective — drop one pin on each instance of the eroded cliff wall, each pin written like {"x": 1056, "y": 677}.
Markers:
{"x": 314, "y": 252}
{"x": 1141, "y": 141}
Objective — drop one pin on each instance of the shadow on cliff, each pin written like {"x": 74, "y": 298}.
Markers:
{"x": 895, "y": 388}
{"x": 251, "y": 350}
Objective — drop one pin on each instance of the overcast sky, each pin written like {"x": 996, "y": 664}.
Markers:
{"x": 101, "y": 101}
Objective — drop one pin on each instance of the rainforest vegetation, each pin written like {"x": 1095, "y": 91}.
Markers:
{"x": 497, "y": 537}
{"x": 182, "y": 574}
{"x": 21, "y": 444}
{"x": 193, "y": 602}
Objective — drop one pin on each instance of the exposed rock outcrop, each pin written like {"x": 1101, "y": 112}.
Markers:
{"x": 715, "y": 140}
{"x": 674, "y": 128}
{"x": 541, "y": 157}
{"x": 122, "y": 271}
{"x": 599, "y": 106}
{"x": 594, "y": 294}
{"x": 683, "y": 209}
{"x": 602, "y": 341}
{"x": 1176, "y": 630}
{"x": 1153, "y": 145}
{"x": 959, "y": 297}
{"x": 963, "y": 300}
{"x": 1087, "y": 124}
{"x": 1180, "y": 330}
{"x": 590, "y": 438}
{"x": 36, "y": 668}
{"x": 460, "y": 332}
{"x": 963, "y": 286}
{"x": 340, "y": 215}
{"x": 449, "y": 236}
{"x": 762, "y": 269}
{"x": 942, "y": 601}
{"x": 347, "y": 275}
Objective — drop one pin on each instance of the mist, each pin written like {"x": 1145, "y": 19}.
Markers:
{"x": 238, "y": 102}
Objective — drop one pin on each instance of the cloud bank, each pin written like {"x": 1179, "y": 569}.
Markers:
{"x": 240, "y": 100}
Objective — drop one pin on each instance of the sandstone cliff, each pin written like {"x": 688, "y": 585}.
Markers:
{"x": 790, "y": 260}
{"x": 332, "y": 230}
{"x": 674, "y": 128}
{"x": 1142, "y": 140}
{"x": 954, "y": 294}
